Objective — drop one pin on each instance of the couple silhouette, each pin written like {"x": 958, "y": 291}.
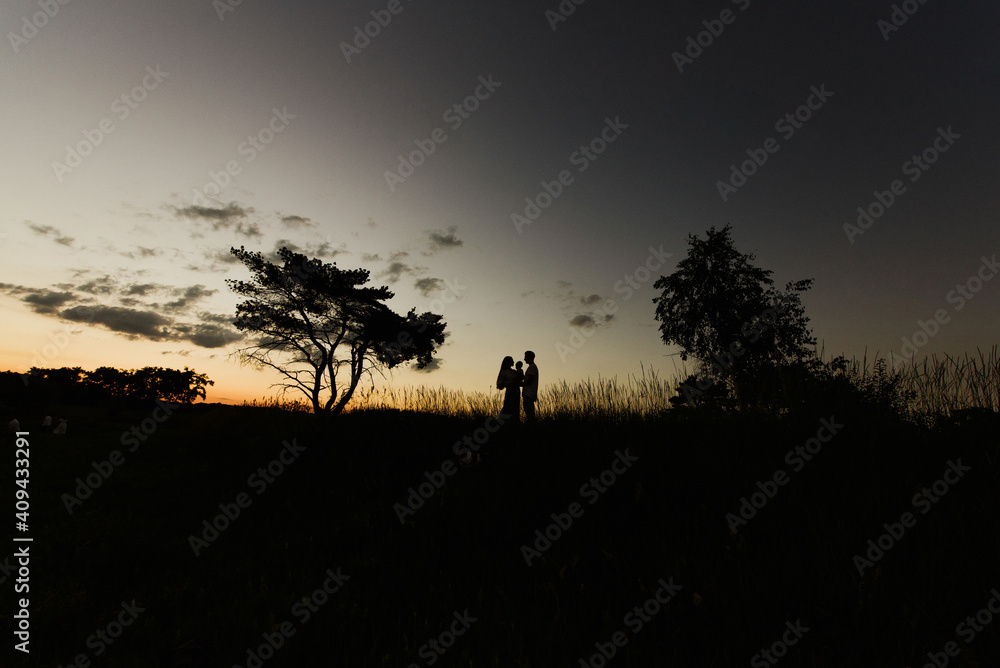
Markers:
{"x": 511, "y": 379}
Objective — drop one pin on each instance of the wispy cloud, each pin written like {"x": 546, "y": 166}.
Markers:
{"x": 141, "y": 252}
{"x": 322, "y": 249}
{"x": 133, "y": 323}
{"x": 396, "y": 268}
{"x": 224, "y": 215}
{"x": 188, "y": 296}
{"x": 428, "y": 285}
{"x": 40, "y": 300}
{"x": 439, "y": 240}
{"x": 297, "y": 221}
{"x": 133, "y": 316}
{"x": 580, "y": 309}
{"x": 230, "y": 217}
{"x": 49, "y": 231}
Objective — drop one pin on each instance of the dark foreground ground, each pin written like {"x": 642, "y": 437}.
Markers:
{"x": 117, "y": 582}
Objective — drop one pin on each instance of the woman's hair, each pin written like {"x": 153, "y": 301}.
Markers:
{"x": 504, "y": 365}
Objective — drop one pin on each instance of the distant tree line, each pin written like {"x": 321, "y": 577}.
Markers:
{"x": 148, "y": 383}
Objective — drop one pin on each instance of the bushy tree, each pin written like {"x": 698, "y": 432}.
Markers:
{"x": 722, "y": 310}
{"x": 322, "y": 330}
{"x": 147, "y": 383}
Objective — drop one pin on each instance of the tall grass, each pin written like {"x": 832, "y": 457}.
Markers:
{"x": 639, "y": 395}
{"x": 953, "y": 383}
{"x": 932, "y": 386}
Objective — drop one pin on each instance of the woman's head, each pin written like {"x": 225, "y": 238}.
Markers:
{"x": 503, "y": 379}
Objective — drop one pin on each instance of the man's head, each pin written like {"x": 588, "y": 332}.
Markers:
{"x": 529, "y": 356}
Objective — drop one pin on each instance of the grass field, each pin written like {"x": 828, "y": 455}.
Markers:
{"x": 468, "y": 558}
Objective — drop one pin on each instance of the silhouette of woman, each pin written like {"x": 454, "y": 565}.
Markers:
{"x": 507, "y": 381}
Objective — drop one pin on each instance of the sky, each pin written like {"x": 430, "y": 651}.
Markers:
{"x": 526, "y": 169}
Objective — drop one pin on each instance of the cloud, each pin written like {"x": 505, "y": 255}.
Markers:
{"x": 103, "y": 285}
{"x": 370, "y": 257}
{"x": 569, "y": 300}
{"x": 141, "y": 289}
{"x": 40, "y": 300}
{"x": 131, "y": 316}
{"x": 141, "y": 252}
{"x": 137, "y": 323}
{"x": 230, "y": 217}
{"x": 49, "y": 231}
{"x": 217, "y": 261}
{"x": 444, "y": 239}
{"x": 322, "y": 250}
{"x": 131, "y": 322}
{"x": 590, "y": 320}
{"x": 188, "y": 296}
{"x": 297, "y": 221}
{"x": 428, "y": 285}
{"x": 395, "y": 271}
{"x": 47, "y": 301}
{"x": 249, "y": 230}
{"x": 217, "y": 318}
{"x": 433, "y": 365}
{"x": 397, "y": 268}
{"x": 224, "y": 216}
{"x": 206, "y": 335}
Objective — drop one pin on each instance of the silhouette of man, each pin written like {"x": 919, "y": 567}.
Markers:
{"x": 530, "y": 392}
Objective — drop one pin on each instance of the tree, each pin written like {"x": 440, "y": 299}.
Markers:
{"x": 323, "y": 331}
{"x": 722, "y": 310}
{"x": 151, "y": 383}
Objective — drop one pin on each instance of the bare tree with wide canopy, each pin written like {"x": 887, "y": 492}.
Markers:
{"x": 322, "y": 330}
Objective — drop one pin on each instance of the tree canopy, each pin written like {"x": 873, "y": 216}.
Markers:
{"x": 320, "y": 328}
{"x": 147, "y": 383}
{"x": 723, "y": 310}
{"x": 151, "y": 382}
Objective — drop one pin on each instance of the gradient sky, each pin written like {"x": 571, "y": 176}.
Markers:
{"x": 126, "y": 230}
